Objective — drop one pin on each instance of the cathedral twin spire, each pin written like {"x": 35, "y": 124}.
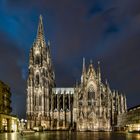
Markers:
{"x": 40, "y": 31}
{"x": 42, "y": 98}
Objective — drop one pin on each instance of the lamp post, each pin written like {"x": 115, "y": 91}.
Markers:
{"x": 23, "y": 124}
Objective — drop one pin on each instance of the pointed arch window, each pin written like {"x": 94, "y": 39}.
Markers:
{"x": 91, "y": 93}
{"x": 44, "y": 72}
{"x": 102, "y": 96}
{"x": 91, "y": 96}
{"x": 66, "y": 102}
{"x": 40, "y": 100}
{"x": 37, "y": 60}
{"x": 61, "y": 101}
{"x": 37, "y": 79}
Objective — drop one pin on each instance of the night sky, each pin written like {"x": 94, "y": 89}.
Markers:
{"x": 102, "y": 30}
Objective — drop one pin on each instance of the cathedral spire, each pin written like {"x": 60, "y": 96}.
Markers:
{"x": 83, "y": 72}
{"x": 99, "y": 72}
{"x": 76, "y": 84}
{"x": 91, "y": 65}
{"x": 91, "y": 70}
{"x": 106, "y": 82}
{"x": 84, "y": 67}
{"x": 40, "y": 31}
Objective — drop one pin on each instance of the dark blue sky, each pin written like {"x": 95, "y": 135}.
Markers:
{"x": 105, "y": 30}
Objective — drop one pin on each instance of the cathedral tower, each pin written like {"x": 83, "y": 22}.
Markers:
{"x": 41, "y": 80}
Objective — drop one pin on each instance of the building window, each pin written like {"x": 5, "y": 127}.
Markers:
{"x": 37, "y": 60}
{"x": 91, "y": 96}
{"x": 37, "y": 79}
{"x": 80, "y": 103}
{"x": 4, "y": 124}
{"x": 55, "y": 101}
{"x": 61, "y": 102}
{"x": 66, "y": 102}
{"x": 40, "y": 101}
{"x": 102, "y": 96}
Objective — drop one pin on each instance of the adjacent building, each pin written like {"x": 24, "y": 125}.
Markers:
{"x": 8, "y": 122}
{"x": 88, "y": 106}
{"x": 130, "y": 121}
{"x": 5, "y": 99}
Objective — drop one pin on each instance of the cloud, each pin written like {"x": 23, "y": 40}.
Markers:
{"x": 99, "y": 30}
{"x": 10, "y": 70}
{"x": 122, "y": 67}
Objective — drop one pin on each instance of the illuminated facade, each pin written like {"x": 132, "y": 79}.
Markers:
{"x": 96, "y": 107}
{"x": 130, "y": 120}
{"x": 8, "y": 122}
{"x": 89, "y": 106}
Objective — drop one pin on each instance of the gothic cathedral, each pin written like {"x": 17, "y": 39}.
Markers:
{"x": 89, "y": 106}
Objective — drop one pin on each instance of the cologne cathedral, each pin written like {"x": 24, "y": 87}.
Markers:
{"x": 88, "y": 106}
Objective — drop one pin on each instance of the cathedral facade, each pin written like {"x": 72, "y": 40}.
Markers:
{"x": 89, "y": 106}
